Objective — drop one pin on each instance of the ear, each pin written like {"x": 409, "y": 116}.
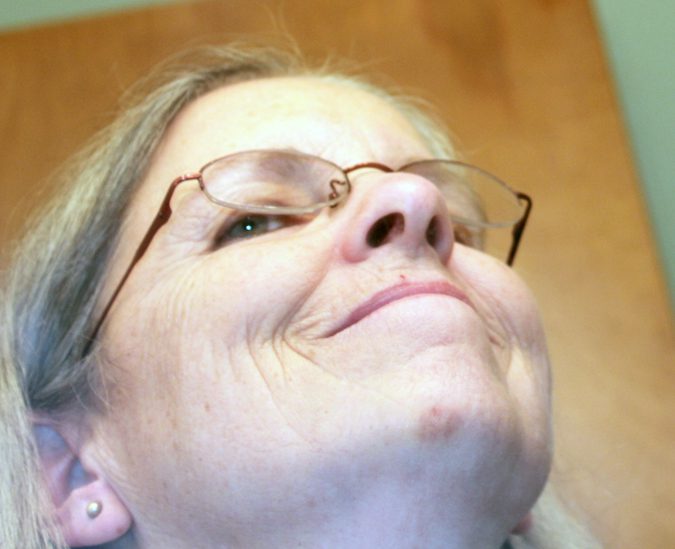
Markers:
{"x": 78, "y": 485}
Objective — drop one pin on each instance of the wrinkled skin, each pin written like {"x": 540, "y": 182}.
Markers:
{"x": 239, "y": 419}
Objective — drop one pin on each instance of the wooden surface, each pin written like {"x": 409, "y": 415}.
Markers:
{"x": 526, "y": 88}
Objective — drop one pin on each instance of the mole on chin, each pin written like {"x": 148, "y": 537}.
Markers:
{"x": 438, "y": 423}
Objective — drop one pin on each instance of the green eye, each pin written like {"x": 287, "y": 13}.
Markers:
{"x": 248, "y": 226}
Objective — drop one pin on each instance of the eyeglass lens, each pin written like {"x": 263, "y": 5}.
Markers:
{"x": 483, "y": 209}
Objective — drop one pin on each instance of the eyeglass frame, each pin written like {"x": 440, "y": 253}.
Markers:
{"x": 335, "y": 197}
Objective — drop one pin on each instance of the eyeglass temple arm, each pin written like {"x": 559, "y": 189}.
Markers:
{"x": 161, "y": 218}
{"x": 519, "y": 227}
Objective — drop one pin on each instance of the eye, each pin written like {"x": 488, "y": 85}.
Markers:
{"x": 468, "y": 236}
{"x": 252, "y": 225}
{"x": 248, "y": 226}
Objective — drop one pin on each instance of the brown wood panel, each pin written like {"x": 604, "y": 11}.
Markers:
{"x": 525, "y": 86}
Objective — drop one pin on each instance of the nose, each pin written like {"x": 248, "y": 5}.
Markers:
{"x": 396, "y": 211}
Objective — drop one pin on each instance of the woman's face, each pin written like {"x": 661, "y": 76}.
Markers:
{"x": 304, "y": 385}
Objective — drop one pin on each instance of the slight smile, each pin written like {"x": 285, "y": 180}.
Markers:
{"x": 395, "y": 293}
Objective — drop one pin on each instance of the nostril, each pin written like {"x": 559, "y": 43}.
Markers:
{"x": 432, "y": 231}
{"x": 384, "y": 228}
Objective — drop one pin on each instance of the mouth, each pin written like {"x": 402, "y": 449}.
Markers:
{"x": 396, "y": 293}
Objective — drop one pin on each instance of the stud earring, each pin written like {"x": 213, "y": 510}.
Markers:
{"x": 94, "y": 509}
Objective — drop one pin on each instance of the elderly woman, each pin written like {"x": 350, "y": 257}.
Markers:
{"x": 269, "y": 311}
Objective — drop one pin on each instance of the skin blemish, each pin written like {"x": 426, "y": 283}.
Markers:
{"x": 402, "y": 277}
{"x": 438, "y": 423}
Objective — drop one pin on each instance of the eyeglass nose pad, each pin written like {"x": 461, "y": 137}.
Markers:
{"x": 401, "y": 210}
{"x": 339, "y": 190}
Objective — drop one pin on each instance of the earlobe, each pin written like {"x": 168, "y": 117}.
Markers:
{"x": 87, "y": 508}
{"x": 92, "y": 515}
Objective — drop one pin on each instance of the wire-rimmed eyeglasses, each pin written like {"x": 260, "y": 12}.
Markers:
{"x": 284, "y": 182}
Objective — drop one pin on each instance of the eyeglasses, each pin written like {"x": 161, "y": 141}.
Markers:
{"x": 283, "y": 182}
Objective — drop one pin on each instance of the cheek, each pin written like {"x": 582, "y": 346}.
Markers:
{"x": 505, "y": 296}
{"x": 189, "y": 397}
{"x": 246, "y": 287}
{"x": 189, "y": 332}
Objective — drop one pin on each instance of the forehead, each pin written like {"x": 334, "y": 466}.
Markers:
{"x": 331, "y": 119}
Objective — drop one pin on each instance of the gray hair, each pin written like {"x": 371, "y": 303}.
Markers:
{"x": 51, "y": 289}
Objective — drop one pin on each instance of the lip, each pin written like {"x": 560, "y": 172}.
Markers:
{"x": 396, "y": 293}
